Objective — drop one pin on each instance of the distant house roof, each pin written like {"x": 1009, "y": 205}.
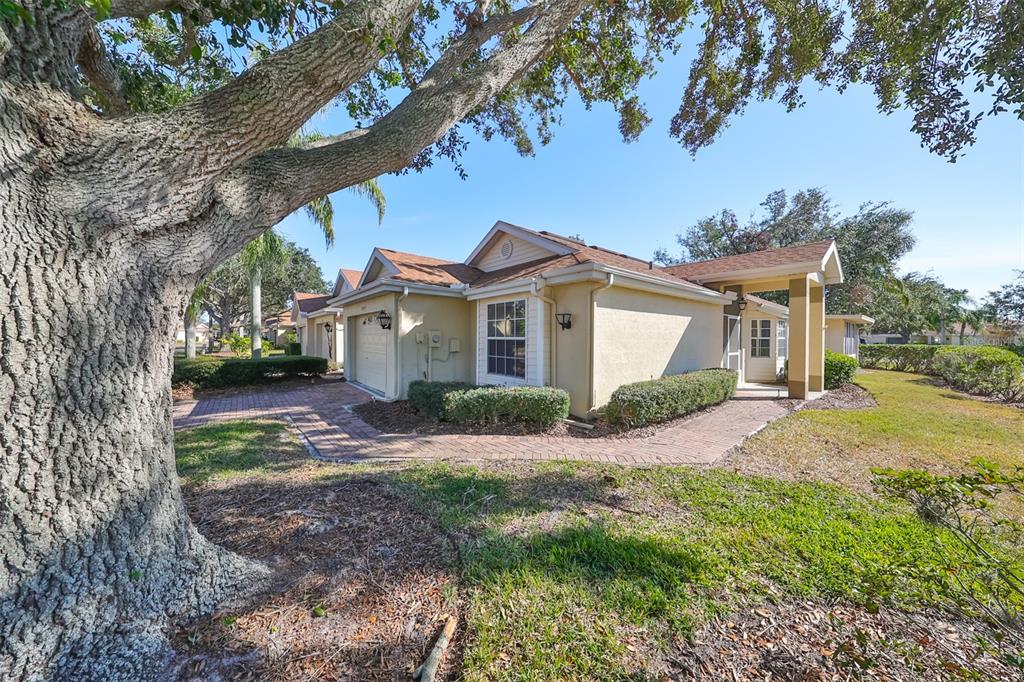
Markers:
{"x": 307, "y": 302}
{"x": 351, "y": 276}
{"x": 413, "y": 267}
{"x": 707, "y": 270}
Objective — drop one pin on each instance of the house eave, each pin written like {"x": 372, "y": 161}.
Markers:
{"x": 388, "y": 285}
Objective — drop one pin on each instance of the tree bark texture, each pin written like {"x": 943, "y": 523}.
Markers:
{"x": 190, "y": 338}
{"x": 107, "y": 223}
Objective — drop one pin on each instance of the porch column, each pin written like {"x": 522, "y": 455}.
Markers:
{"x": 816, "y": 339}
{"x": 799, "y": 341}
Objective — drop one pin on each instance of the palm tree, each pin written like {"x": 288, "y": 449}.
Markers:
{"x": 267, "y": 250}
{"x": 191, "y": 315}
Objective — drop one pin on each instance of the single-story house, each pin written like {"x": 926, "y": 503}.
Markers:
{"x": 202, "y": 334}
{"x": 320, "y": 327}
{"x": 842, "y": 333}
{"x": 536, "y": 308}
{"x": 276, "y": 326}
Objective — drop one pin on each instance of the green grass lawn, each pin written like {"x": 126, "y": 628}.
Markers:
{"x": 233, "y": 449}
{"x": 916, "y": 424}
{"x": 572, "y": 571}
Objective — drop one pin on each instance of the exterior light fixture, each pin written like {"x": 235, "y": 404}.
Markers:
{"x": 564, "y": 320}
{"x": 741, "y": 303}
{"x": 384, "y": 319}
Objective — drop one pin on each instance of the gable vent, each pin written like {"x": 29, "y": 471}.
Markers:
{"x": 506, "y": 249}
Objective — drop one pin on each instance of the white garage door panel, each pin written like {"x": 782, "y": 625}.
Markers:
{"x": 371, "y": 353}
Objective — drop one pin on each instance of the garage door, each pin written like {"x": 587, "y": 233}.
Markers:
{"x": 371, "y": 353}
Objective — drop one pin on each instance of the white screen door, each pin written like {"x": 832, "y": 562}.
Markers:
{"x": 731, "y": 352}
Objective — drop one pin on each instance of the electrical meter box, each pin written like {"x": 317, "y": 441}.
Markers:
{"x": 435, "y": 339}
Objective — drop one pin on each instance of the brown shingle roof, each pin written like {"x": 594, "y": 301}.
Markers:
{"x": 426, "y": 270}
{"x": 815, "y": 251}
{"x": 308, "y": 302}
{"x": 352, "y": 276}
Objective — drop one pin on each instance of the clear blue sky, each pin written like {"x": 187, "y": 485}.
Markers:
{"x": 969, "y": 216}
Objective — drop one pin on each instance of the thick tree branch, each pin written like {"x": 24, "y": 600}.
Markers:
{"x": 288, "y": 178}
{"x": 139, "y": 9}
{"x": 96, "y": 67}
{"x": 262, "y": 107}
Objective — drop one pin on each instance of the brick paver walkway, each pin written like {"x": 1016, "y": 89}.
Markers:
{"x": 323, "y": 415}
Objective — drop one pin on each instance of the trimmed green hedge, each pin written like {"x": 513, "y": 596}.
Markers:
{"x": 215, "y": 373}
{"x": 538, "y": 405}
{"x": 839, "y": 369}
{"x": 428, "y": 396}
{"x": 908, "y": 357}
{"x": 650, "y": 402}
{"x": 462, "y": 403}
{"x": 986, "y": 370}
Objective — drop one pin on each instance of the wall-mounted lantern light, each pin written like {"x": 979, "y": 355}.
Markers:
{"x": 384, "y": 319}
{"x": 564, "y": 320}
{"x": 741, "y": 303}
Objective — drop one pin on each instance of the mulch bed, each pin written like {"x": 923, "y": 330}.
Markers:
{"x": 811, "y": 640}
{"x": 846, "y": 397}
{"x": 399, "y": 417}
{"x": 362, "y": 581}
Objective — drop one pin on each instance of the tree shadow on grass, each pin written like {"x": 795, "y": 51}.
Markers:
{"x": 367, "y": 562}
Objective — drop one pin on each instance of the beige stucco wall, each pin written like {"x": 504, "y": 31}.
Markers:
{"x": 835, "y": 332}
{"x": 453, "y": 317}
{"x": 640, "y": 336}
{"x": 571, "y": 346}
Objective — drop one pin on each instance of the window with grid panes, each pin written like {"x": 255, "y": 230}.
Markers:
{"x": 506, "y": 338}
{"x": 760, "y": 338}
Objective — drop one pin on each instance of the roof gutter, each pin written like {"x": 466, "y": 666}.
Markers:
{"x": 590, "y": 345}
{"x": 535, "y": 291}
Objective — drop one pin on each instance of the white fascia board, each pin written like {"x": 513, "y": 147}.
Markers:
{"x": 383, "y": 286}
{"x": 597, "y": 272}
{"x": 516, "y": 231}
{"x": 773, "y": 308}
{"x": 832, "y": 255}
{"x": 855, "y": 319}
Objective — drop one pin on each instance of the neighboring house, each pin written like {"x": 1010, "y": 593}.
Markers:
{"x": 842, "y": 333}
{"x": 202, "y": 334}
{"x": 320, "y": 327}
{"x": 275, "y": 327}
{"x": 536, "y": 308}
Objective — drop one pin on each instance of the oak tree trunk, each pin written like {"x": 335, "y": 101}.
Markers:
{"x": 97, "y": 550}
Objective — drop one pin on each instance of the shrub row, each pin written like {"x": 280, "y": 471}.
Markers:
{"x": 468, "y": 404}
{"x": 985, "y": 370}
{"x": 650, "y": 402}
{"x": 909, "y": 357}
{"x": 839, "y": 369}
{"x": 428, "y": 396}
{"x": 216, "y": 373}
{"x": 538, "y": 405}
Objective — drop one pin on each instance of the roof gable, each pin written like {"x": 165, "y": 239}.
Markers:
{"x": 346, "y": 281}
{"x": 816, "y": 256}
{"x": 507, "y": 245}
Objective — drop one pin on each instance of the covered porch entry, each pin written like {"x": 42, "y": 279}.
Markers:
{"x": 802, "y": 272}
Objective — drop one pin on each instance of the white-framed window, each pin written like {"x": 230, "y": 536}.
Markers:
{"x": 781, "y": 339}
{"x": 760, "y": 338}
{"x": 506, "y": 338}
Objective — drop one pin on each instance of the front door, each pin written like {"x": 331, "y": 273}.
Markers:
{"x": 731, "y": 352}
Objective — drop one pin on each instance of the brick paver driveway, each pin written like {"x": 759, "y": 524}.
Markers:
{"x": 322, "y": 413}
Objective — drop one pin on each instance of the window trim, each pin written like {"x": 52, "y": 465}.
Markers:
{"x": 758, "y": 341}
{"x": 524, "y": 338}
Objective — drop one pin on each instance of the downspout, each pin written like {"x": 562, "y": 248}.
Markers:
{"x": 590, "y": 345}
{"x": 535, "y": 291}
{"x": 398, "y": 342}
